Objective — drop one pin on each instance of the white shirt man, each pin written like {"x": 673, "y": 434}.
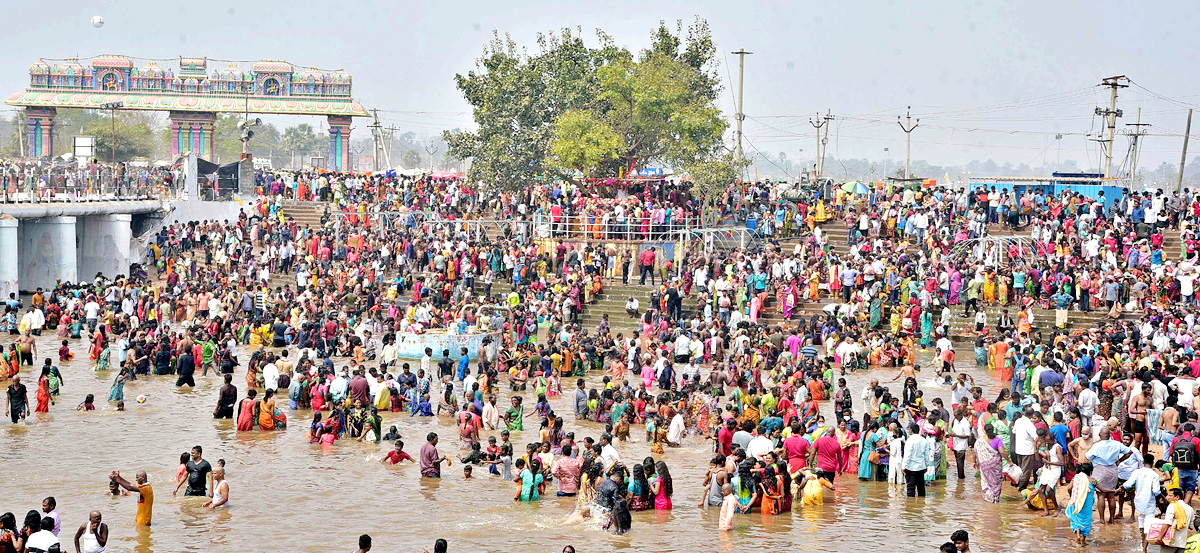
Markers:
{"x": 760, "y": 445}
{"x": 960, "y": 426}
{"x": 1087, "y": 402}
{"x": 1024, "y": 435}
{"x": 271, "y": 376}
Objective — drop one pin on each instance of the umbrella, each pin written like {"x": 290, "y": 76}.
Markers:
{"x": 445, "y": 175}
{"x": 855, "y": 187}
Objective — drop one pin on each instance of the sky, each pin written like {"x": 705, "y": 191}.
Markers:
{"x": 988, "y": 80}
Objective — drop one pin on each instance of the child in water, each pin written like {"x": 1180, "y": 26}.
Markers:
{"x": 88, "y": 404}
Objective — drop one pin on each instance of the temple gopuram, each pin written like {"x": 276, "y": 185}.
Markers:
{"x": 193, "y": 93}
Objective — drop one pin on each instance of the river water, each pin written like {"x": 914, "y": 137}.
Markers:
{"x": 289, "y": 495}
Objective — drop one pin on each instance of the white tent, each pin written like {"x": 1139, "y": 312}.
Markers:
{"x": 400, "y": 170}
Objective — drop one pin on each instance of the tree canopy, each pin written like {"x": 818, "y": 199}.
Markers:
{"x": 571, "y": 109}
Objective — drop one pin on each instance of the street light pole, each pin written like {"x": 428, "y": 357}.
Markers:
{"x": 112, "y": 115}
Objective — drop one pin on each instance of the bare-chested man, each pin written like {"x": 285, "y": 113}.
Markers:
{"x": 1169, "y": 423}
{"x": 1137, "y": 417}
{"x": 27, "y": 348}
{"x": 1079, "y": 447}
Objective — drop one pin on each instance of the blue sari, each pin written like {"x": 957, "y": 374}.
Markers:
{"x": 865, "y": 469}
{"x": 1081, "y": 518}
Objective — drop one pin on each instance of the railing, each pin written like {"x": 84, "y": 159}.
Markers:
{"x": 103, "y": 191}
{"x": 539, "y": 226}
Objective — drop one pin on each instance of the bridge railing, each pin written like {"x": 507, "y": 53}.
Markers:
{"x": 40, "y": 185}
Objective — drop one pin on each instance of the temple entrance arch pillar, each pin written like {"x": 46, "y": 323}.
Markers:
{"x": 339, "y": 143}
{"x": 193, "y": 132}
{"x": 39, "y": 123}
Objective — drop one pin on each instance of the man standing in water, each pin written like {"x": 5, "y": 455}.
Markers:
{"x": 26, "y": 348}
{"x": 431, "y": 462}
{"x": 145, "y": 509}
{"x": 226, "y": 400}
{"x": 16, "y": 404}
{"x": 220, "y": 489}
{"x": 916, "y": 461}
{"x": 92, "y": 535}
{"x": 197, "y": 471}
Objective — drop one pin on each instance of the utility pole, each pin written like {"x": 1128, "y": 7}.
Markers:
{"x": 1058, "y": 160}
{"x": 907, "y": 137}
{"x": 741, "y": 54}
{"x": 1187, "y": 131}
{"x": 818, "y": 124}
{"x": 430, "y": 149}
{"x": 387, "y": 145}
{"x": 376, "y": 136}
{"x": 1112, "y": 113}
{"x": 1135, "y": 134}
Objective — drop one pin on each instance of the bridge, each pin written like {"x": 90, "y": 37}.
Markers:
{"x": 191, "y": 92}
{"x": 69, "y": 241}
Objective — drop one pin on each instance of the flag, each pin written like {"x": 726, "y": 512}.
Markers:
{"x": 947, "y": 177}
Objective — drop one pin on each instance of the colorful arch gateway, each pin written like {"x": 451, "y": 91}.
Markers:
{"x": 193, "y": 94}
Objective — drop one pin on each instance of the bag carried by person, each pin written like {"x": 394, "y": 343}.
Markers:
{"x": 1183, "y": 455}
{"x": 1156, "y": 530}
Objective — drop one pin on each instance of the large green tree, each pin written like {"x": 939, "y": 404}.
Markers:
{"x": 135, "y": 138}
{"x": 571, "y": 109}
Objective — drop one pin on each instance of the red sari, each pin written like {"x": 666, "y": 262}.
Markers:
{"x": 245, "y": 418}
{"x": 43, "y": 395}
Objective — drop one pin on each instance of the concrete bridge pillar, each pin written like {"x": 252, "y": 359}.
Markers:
{"x": 105, "y": 245}
{"x": 48, "y": 253}
{"x": 10, "y": 255}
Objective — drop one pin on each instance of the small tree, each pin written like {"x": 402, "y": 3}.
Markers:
{"x": 711, "y": 178}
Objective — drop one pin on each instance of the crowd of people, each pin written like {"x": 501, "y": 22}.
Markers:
{"x": 744, "y": 348}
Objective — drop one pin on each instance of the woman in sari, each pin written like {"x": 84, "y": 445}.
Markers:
{"x": 876, "y": 311}
{"x": 894, "y": 321}
{"x": 246, "y": 414}
{"x": 988, "y": 454}
{"x": 848, "y": 439}
{"x": 266, "y": 411}
{"x": 117, "y": 392}
{"x": 1079, "y": 506}
{"x": 43, "y": 392}
{"x": 926, "y": 328}
{"x": 956, "y": 283}
{"x": 789, "y": 301}
{"x": 101, "y": 359}
{"x": 870, "y": 442}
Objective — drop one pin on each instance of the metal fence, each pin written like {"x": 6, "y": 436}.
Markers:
{"x": 42, "y": 183}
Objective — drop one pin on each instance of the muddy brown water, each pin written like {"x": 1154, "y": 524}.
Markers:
{"x": 289, "y": 495}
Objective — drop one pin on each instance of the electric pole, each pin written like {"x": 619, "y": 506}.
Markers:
{"x": 1135, "y": 134}
{"x": 1112, "y": 113}
{"x": 817, "y": 124}
{"x": 1058, "y": 159}
{"x": 907, "y": 137}
{"x": 1187, "y": 131}
{"x": 387, "y": 145}
{"x": 375, "y": 138}
{"x": 741, "y": 54}
{"x": 430, "y": 149}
